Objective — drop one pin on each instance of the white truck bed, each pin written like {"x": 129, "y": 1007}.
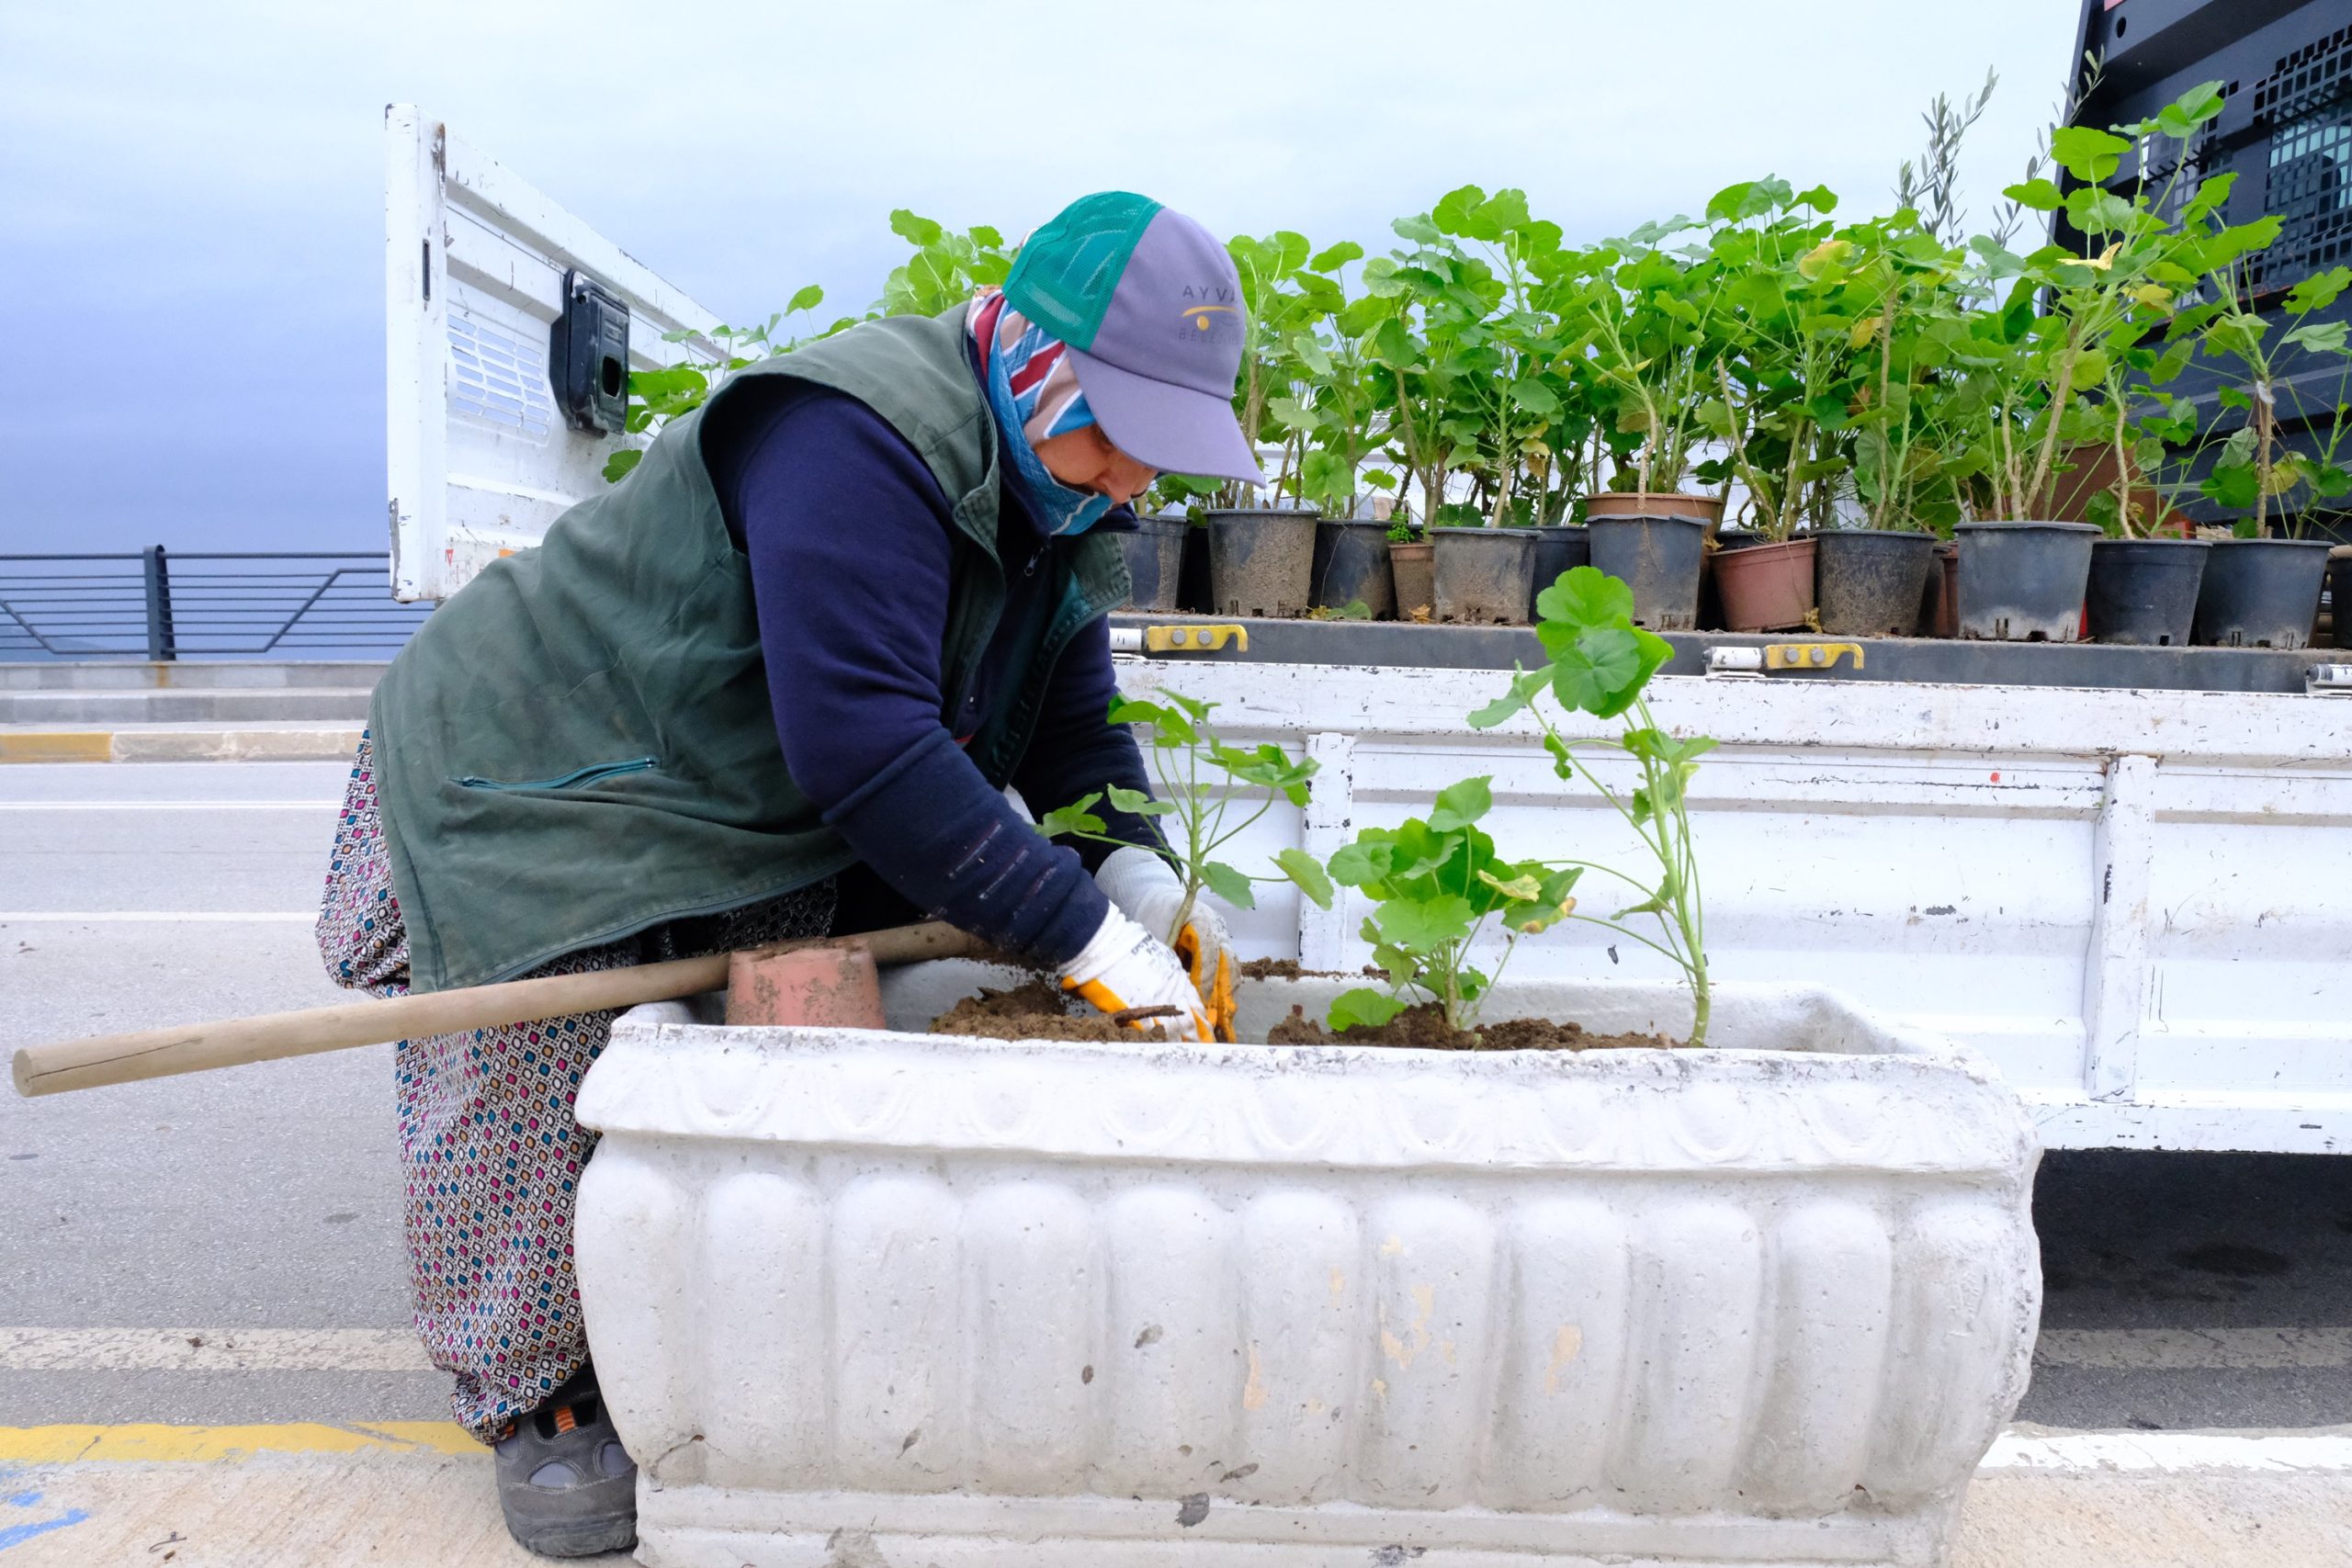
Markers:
{"x": 2138, "y": 904}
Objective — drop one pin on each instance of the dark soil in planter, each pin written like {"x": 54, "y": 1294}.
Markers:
{"x": 1034, "y": 1009}
{"x": 1423, "y": 1027}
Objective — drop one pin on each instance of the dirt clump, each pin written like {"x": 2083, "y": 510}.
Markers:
{"x": 1283, "y": 969}
{"x": 1423, "y": 1027}
{"x": 1037, "y": 1009}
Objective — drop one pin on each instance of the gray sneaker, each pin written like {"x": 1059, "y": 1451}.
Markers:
{"x": 568, "y": 1487}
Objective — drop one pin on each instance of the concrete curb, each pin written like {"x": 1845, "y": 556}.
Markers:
{"x": 155, "y": 743}
{"x": 417, "y": 1494}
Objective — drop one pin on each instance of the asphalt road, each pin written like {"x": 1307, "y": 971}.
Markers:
{"x": 2184, "y": 1291}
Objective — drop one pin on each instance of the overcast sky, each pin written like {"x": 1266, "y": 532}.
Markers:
{"x": 191, "y": 208}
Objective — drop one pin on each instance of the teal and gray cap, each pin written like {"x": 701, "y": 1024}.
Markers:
{"x": 1151, "y": 308}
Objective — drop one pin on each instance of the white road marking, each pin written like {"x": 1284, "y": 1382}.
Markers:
{"x": 211, "y": 1350}
{"x": 170, "y": 804}
{"x": 2193, "y": 1349}
{"x": 2283, "y": 1453}
{"x": 97, "y": 917}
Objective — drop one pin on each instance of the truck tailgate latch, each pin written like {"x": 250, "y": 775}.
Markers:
{"x": 1148, "y": 641}
{"x": 1756, "y": 662}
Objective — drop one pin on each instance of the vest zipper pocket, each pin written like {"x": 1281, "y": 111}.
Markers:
{"x": 579, "y": 778}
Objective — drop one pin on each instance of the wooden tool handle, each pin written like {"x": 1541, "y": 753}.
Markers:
{"x": 162, "y": 1053}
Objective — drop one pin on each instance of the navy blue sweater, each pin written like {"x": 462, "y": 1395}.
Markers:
{"x": 849, "y": 540}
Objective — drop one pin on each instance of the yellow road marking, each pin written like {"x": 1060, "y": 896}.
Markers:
{"x": 150, "y": 1444}
{"x": 57, "y": 746}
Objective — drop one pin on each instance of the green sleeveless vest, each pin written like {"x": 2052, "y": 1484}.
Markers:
{"x": 578, "y": 745}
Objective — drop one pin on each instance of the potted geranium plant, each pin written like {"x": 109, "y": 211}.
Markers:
{"x": 2262, "y": 585}
{"x": 1261, "y": 557}
{"x": 1436, "y": 354}
{"x": 1908, "y": 442}
{"x": 1649, "y": 317}
{"x": 1796, "y": 292}
{"x": 1486, "y": 264}
{"x": 1335, "y": 416}
{"x": 2023, "y": 576}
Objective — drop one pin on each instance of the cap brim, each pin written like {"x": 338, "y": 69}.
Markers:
{"x": 1174, "y": 429}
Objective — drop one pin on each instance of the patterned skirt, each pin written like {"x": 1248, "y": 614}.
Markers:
{"x": 492, "y": 1155}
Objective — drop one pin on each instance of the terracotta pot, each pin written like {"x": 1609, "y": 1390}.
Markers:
{"x": 1416, "y": 576}
{"x": 1766, "y": 588}
{"x": 1707, "y": 509}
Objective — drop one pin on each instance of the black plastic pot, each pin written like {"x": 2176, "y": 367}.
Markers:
{"x": 2261, "y": 593}
{"x": 1869, "y": 582}
{"x": 2143, "y": 592}
{"x": 1155, "y": 554}
{"x": 1659, "y": 558}
{"x": 2339, "y": 592}
{"x": 1352, "y": 567}
{"x": 1193, "y": 583}
{"x": 1484, "y": 576}
{"x": 1261, "y": 561}
{"x": 1558, "y": 549}
{"x": 2024, "y": 581}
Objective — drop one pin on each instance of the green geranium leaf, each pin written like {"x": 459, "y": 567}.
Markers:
{"x": 1364, "y": 1007}
{"x": 1585, "y": 597}
{"x": 916, "y": 230}
{"x": 1307, "y": 872}
{"x": 2087, "y": 155}
{"x": 2040, "y": 194}
{"x": 1424, "y": 925}
{"x": 1078, "y": 817}
{"x": 1136, "y": 803}
{"x": 1363, "y": 861}
{"x": 1459, "y": 804}
{"x": 617, "y": 466}
{"x": 1229, "y": 884}
{"x": 2318, "y": 291}
{"x": 808, "y": 299}
{"x": 1524, "y": 684}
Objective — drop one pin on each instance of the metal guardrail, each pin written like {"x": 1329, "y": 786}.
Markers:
{"x": 163, "y": 605}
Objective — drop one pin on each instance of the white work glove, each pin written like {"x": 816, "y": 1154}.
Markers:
{"x": 1124, "y": 966}
{"x": 1148, "y": 889}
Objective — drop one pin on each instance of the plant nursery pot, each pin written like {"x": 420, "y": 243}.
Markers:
{"x": 1261, "y": 561}
{"x": 1193, "y": 583}
{"x": 1711, "y": 598}
{"x": 1708, "y": 509}
{"x": 1067, "y": 1304}
{"x": 1558, "y": 549}
{"x": 1940, "y": 604}
{"x": 2339, "y": 594}
{"x": 1154, "y": 556}
{"x": 2024, "y": 581}
{"x": 1869, "y": 582}
{"x": 2261, "y": 593}
{"x": 1484, "y": 576}
{"x": 1766, "y": 587}
{"x": 1352, "y": 567}
{"x": 1659, "y": 558}
{"x": 2143, "y": 592}
{"x": 1415, "y": 575}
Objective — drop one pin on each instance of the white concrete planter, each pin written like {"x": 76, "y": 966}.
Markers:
{"x": 865, "y": 1299}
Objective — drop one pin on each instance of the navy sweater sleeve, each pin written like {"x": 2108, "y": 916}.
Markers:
{"x": 1077, "y": 750}
{"x": 850, "y": 543}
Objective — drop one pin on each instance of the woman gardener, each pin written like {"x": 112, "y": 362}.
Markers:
{"x": 773, "y": 684}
